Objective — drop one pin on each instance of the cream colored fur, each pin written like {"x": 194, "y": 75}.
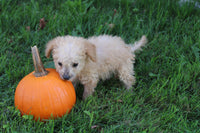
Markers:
{"x": 92, "y": 59}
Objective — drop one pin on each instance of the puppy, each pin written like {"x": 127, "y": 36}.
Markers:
{"x": 92, "y": 59}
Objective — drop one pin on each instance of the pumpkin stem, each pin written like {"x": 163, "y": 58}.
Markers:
{"x": 39, "y": 68}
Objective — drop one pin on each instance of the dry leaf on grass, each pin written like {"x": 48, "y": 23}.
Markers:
{"x": 42, "y": 24}
{"x": 94, "y": 126}
{"x": 120, "y": 101}
{"x": 110, "y": 26}
{"x": 115, "y": 11}
{"x": 28, "y": 28}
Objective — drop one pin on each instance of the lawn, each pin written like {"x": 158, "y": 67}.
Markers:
{"x": 166, "y": 97}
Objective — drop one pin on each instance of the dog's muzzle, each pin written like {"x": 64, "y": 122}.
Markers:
{"x": 66, "y": 76}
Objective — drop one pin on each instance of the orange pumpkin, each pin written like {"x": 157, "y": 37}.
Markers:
{"x": 43, "y": 94}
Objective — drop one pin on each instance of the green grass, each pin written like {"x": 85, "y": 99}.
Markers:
{"x": 166, "y": 97}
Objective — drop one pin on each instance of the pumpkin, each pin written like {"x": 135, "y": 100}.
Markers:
{"x": 43, "y": 94}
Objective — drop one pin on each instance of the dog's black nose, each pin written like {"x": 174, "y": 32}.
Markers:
{"x": 66, "y": 77}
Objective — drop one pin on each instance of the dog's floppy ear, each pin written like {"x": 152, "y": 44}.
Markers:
{"x": 90, "y": 50}
{"x": 50, "y": 46}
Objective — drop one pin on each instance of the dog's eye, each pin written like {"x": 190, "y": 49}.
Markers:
{"x": 74, "y": 64}
{"x": 60, "y": 64}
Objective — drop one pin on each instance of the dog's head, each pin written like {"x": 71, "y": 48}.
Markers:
{"x": 70, "y": 55}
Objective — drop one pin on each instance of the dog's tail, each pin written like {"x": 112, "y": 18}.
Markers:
{"x": 137, "y": 45}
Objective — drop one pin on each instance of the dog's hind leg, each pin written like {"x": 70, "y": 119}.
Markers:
{"x": 126, "y": 75}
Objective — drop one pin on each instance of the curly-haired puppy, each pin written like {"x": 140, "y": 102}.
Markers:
{"x": 92, "y": 59}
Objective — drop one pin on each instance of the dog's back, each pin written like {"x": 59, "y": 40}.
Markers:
{"x": 111, "y": 52}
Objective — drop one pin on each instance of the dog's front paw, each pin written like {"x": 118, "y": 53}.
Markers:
{"x": 86, "y": 95}
{"x": 87, "y": 92}
{"x": 89, "y": 89}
